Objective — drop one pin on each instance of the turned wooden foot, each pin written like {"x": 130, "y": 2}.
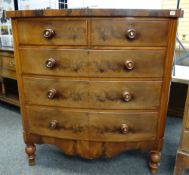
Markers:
{"x": 30, "y": 151}
{"x": 154, "y": 161}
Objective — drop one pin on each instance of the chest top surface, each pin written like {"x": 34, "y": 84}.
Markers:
{"x": 98, "y": 13}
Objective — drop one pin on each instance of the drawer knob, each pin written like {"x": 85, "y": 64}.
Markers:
{"x": 129, "y": 65}
{"x": 53, "y": 124}
{"x": 127, "y": 96}
{"x": 131, "y": 33}
{"x": 51, "y": 93}
{"x": 50, "y": 63}
{"x": 48, "y": 33}
{"x": 124, "y": 128}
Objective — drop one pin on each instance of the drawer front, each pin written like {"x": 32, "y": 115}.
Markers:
{"x": 185, "y": 141}
{"x": 126, "y": 63}
{"x": 56, "y": 92}
{"x": 54, "y": 62}
{"x": 58, "y": 123}
{"x": 8, "y": 63}
{"x": 129, "y": 32}
{"x": 52, "y": 32}
{"x": 125, "y": 94}
{"x": 93, "y": 126}
{"x": 114, "y": 126}
{"x": 93, "y": 63}
{"x": 92, "y": 94}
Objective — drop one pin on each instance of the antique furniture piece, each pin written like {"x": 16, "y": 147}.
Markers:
{"x": 8, "y": 82}
{"x": 94, "y": 82}
{"x": 182, "y": 160}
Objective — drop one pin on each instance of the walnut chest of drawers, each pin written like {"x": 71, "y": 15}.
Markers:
{"x": 94, "y": 82}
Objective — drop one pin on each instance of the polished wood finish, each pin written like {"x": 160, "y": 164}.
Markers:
{"x": 65, "y": 32}
{"x": 97, "y": 12}
{"x": 114, "y": 32}
{"x": 101, "y": 87}
{"x": 93, "y": 63}
{"x": 92, "y": 94}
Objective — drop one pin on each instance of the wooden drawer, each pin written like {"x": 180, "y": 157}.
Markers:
{"x": 125, "y": 94}
{"x": 117, "y": 126}
{"x": 94, "y": 126}
{"x": 185, "y": 141}
{"x": 126, "y": 63}
{"x": 67, "y": 32}
{"x": 114, "y": 32}
{"x": 54, "y": 62}
{"x": 58, "y": 123}
{"x": 93, "y": 94}
{"x": 93, "y": 63}
{"x": 8, "y": 63}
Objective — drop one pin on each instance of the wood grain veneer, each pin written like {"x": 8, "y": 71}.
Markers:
{"x": 94, "y": 82}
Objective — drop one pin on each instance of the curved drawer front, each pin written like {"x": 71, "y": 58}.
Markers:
{"x": 129, "y": 32}
{"x": 66, "y": 62}
{"x": 125, "y": 94}
{"x": 126, "y": 63}
{"x": 93, "y": 63}
{"x": 52, "y": 32}
{"x": 94, "y": 126}
{"x": 117, "y": 126}
{"x": 93, "y": 94}
{"x": 58, "y": 123}
{"x": 56, "y": 92}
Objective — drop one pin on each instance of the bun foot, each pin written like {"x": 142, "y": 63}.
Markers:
{"x": 154, "y": 161}
{"x": 30, "y": 151}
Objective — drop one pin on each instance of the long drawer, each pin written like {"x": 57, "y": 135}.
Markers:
{"x": 129, "y": 32}
{"x": 94, "y": 126}
{"x": 92, "y": 94}
{"x": 93, "y": 63}
{"x": 52, "y": 31}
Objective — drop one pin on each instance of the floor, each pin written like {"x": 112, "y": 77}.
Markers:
{"x": 51, "y": 161}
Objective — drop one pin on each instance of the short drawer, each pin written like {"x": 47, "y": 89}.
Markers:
{"x": 52, "y": 32}
{"x": 93, "y": 94}
{"x": 8, "y": 63}
{"x": 58, "y": 123}
{"x": 93, "y": 126}
{"x": 129, "y": 32}
{"x": 54, "y": 62}
{"x": 125, "y": 94}
{"x": 93, "y": 63}
{"x": 126, "y": 63}
{"x": 185, "y": 141}
{"x": 118, "y": 126}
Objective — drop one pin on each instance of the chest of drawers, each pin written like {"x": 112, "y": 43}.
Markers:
{"x": 94, "y": 82}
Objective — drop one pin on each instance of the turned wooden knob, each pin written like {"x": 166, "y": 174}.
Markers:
{"x": 131, "y": 33}
{"x": 50, "y": 63}
{"x": 48, "y": 33}
{"x": 51, "y": 93}
{"x": 127, "y": 96}
{"x": 53, "y": 124}
{"x": 129, "y": 65}
{"x": 124, "y": 128}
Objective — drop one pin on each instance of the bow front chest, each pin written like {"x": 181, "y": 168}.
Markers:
{"x": 94, "y": 82}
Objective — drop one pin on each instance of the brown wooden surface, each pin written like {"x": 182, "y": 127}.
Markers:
{"x": 91, "y": 149}
{"x": 93, "y": 63}
{"x": 93, "y": 126}
{"x": 67, "y": 32}
{"x": 97, "y": 12}
{"x": 93, "y": 94}
{"x": 113, "y": 32}
{"x": 101, "y": 93}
